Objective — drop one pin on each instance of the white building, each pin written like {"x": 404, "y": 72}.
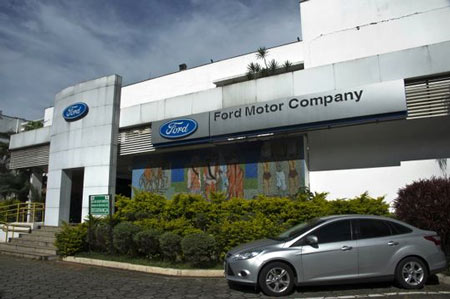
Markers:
{"x": 364, "y": 107}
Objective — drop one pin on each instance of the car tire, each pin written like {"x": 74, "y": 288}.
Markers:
{"x": 276, "y": 279}
{"x": 411, "y": 273}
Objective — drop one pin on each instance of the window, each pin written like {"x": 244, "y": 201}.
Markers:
{"x": 398, "y": 229}
{"x": 371, "y": 228}
{"x": 338, "y": 231}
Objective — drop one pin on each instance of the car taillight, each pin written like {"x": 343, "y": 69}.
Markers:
{"x": 435, "y": 239}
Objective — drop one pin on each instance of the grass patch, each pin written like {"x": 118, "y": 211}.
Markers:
{"x": 141, "y": 261}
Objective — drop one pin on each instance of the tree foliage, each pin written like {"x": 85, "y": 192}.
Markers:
{"x": 255, "y": 70}
{"x": 426, "y": 205}
{"x": 236, "y": 221}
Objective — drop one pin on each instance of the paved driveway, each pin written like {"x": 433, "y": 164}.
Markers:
{"x": 23, "y": 278}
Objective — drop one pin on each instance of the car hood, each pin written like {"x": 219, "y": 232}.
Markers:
{"x": 263, "y": 243}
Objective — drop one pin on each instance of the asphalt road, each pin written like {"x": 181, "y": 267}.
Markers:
{"x": 23, "y": 278}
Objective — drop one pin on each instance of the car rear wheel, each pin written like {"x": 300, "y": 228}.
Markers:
{"x": 411, "y": 273}
{"x": 276, "y": 279}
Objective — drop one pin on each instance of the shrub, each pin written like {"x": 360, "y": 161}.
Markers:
{"x": 142, "y": 205}
{"x": 180, "y": 226}
{"x": 199, "y": 249}
{"x": 363, "y": 204}
{"x": 238, "y": 220}
{"x": 147, "y": 242}
{"x": 102, "y": 237}
{"x": 426, "y": 204}
{"x": 123, "y": 234}
{"x": 71, "y": 239}
{"x": 170, "y": 245}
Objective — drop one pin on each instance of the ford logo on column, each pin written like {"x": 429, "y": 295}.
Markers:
{"x": 75, "y": 111}
{"x": 178, "y": 128}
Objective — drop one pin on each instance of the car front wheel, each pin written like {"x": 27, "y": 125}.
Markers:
{"x": 411, "y": 273}
{"x": 276, "y": 279}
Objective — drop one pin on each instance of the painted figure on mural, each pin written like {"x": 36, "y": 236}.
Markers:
{"x": 266, "y": 178}
{"x": 223, "y": 180}
{"x": 145, "y": 179}
{"x": 266, "y": 152}
{"x": 160, "y": 180}
{"x": 281, "y": 179}
{"x": 210, "y": 174}
{"x": 293, "y": 178}
{"x": 236, "y": 179}
{"x": 153, "y": 180}
{"x": 194, "y": 182}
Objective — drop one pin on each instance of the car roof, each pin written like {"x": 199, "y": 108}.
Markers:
{"x": 332, "y": 217}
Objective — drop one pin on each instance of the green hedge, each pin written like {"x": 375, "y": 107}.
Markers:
{"x": 235, "y": 221}
{"x": 170, "y": 245}
{"x": 71, "y": 239}
{"x": 199, "y": 249}
{"x": 152, "y": 226}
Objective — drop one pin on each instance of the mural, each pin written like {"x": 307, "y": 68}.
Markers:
{"x": 273, "y": 168}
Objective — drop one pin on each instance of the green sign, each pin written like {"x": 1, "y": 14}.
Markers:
{"x": 100, "y": 205}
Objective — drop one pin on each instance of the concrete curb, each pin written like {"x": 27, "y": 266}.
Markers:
{"x": 146, "y": 269}
{"x": 443, "y": 278}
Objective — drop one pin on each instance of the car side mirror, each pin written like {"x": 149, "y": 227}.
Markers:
{"x": 312, "y": 240}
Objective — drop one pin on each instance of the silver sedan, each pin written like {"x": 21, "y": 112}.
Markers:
{"x": 338, "y": 249}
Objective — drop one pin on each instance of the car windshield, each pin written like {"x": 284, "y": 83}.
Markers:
{"x": 297, "y": 230}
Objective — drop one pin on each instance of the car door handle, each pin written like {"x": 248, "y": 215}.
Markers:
{"x": 392, "y": 243}
{"x": 345, "y": 248}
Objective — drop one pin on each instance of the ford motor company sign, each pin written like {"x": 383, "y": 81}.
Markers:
{"x": 356, "y": 104}
{"x": 178, "y": 128}
{"x": 75, "y": 111}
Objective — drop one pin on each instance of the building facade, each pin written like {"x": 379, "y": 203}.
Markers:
{"x": 364, "y": 107}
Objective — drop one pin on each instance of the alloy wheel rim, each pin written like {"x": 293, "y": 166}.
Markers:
{"x": 412, "y": 273}
{"x": 277, "y": 280}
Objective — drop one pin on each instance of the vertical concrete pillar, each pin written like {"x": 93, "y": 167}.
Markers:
{"x": 35, "y": 182}
{"x": 88, "y": 142}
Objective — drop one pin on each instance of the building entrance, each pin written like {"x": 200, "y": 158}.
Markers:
{"x": 76, "y": 195}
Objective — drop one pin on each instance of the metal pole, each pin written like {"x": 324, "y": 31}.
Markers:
{"x": 18, "y": 211}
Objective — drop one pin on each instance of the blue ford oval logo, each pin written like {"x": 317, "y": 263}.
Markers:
{"x": 75, "y": 111}
{"x": 178, "y": 128}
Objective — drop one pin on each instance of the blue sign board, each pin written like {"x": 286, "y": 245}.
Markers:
{"x": 75, "y": 111}
{"x": 178, "y": 128}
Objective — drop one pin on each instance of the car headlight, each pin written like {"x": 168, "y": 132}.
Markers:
{"x": 247, "y": 254}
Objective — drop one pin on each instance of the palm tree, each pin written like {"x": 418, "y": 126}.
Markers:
{"x": 262, "y": 53}
{"x": 253, "y": 69}
{"x": 442, "y": 166}
{"x": 273, "y": 65}
{"x": 287, "y": 65}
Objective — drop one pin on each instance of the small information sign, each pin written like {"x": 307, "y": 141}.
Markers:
{"x": 100, "y": 205}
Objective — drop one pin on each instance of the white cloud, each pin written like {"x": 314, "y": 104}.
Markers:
{"x": 46, "y": 46}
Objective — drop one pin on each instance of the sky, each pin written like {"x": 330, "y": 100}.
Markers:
{"x": 48, "y": 45}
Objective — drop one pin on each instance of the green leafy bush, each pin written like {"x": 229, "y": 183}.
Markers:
{"x": 147, "y": 242}
{"x": 71, "y": 239}
{"x": 123, "y": 234}
{"x": 199, "y": 249}
{"x": 143, "y": 205}
{"x": 426, "y": 205}
{"x": 102, "y": 240}
{"x": 236, "y": 221}
{"x": 170, "y": 245}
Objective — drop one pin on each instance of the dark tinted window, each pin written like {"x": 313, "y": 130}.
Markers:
{"x": 297, "y": 230}
{"x": 370, "y": 228}
{"x": 398, "y": 229}
{"x": 334, "y": 232}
